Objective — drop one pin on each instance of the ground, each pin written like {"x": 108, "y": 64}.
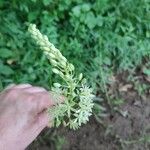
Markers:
{"x": 126, "y": 128}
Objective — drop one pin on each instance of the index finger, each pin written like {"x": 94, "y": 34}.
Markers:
{"x": 48, "y": 99}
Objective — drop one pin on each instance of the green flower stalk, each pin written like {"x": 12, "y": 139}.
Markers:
{"x": 78, "y": 104}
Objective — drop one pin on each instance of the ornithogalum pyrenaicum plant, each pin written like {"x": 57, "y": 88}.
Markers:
{"x": 78, "y": 104}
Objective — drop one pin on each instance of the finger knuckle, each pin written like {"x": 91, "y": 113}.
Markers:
{"x": 31, "y": 100}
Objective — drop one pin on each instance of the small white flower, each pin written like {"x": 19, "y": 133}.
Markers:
{"x": 55, "y": 70}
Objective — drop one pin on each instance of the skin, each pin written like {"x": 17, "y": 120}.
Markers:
{"x": 23, "y": 115}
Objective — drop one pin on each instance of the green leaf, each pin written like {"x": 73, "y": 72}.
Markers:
{"x": 5, "y": 70}
{"x": 47, "y": 2}
{"x": 99, "y": 20}
{"x": 107, "y": 61}
{"x": 146, "y": 71}
{"x": 90, "y": 20}
{"x": 5, "y": 53}
{"x": 32, "y": 16}
{"x": 76, "y": 11}
{"x": 86, "y": 7}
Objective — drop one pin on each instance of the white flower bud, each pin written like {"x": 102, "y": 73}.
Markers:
{"x": 58, "y": 53}
{"x": 56, "y": 71}
{"x": 57, "y": 50}
{"x": 40, "y": 38}
{"x": 63, "y": 64}
{"x": 53, "y": 62}
{"x": 80, "y": 76}
{"x": 45, "y": 38}
{"x": 71, "y": 67}
{"x": 52, "y": 46}
{"x": 63, "y": 58}
{"x": 57, "y": 85}
{"x": 32, "y": 27}
{"x": 51, "y": 55}
{"x": 34, "y": 33}
{"x": 67, "y": 77}
{"x": 48, "y": 53}
{"x": 45, "y": 48}
{"x": 61, "y": 74}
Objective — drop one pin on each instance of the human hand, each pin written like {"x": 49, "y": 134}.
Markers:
{"x": 22, "y": 115}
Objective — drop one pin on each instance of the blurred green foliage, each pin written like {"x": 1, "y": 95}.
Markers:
{"x": 100, "y": 37}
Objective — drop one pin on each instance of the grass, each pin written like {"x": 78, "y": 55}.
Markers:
{"x": 99, "y": 37}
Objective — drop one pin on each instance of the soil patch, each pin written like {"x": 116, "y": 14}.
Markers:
{"x": 129, "y": 132}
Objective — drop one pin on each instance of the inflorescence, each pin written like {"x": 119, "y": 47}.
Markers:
{"x": 77, "y": 107}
